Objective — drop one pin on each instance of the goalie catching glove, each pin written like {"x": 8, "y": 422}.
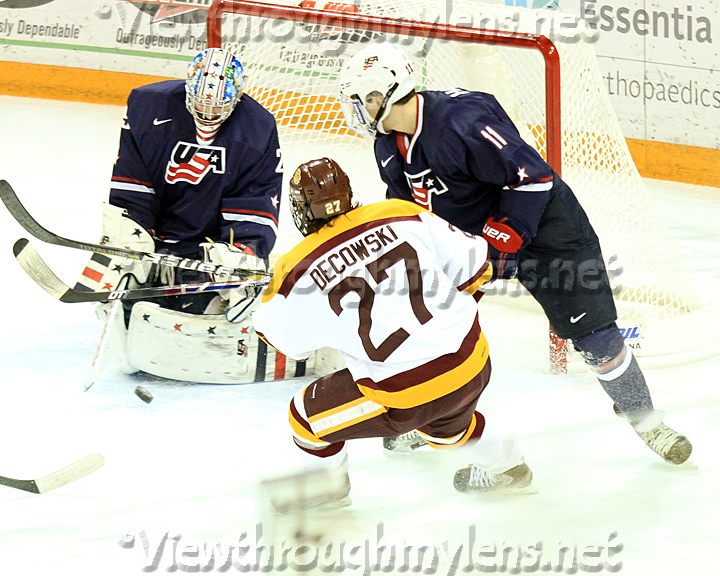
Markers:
{"x": 506, "y": 237}
{"x": 241, "y": 301}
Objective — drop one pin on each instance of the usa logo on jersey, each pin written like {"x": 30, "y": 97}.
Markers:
{"x": 424, "y": 185}
{"x": 190, "y": 162}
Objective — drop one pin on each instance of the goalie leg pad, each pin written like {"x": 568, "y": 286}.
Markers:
{"x": 203, "y": 348}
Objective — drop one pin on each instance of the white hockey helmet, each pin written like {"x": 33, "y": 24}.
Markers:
{"x": 382, "y": 70}
{"x": 215, "y": 80}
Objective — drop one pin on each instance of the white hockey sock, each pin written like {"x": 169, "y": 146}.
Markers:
{"x": 335, "y": 462}
{"x": 493, "y": 453}
{"x": 652, "y": 420}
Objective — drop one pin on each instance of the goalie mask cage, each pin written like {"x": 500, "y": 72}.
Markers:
{"x": 553, "y": 91}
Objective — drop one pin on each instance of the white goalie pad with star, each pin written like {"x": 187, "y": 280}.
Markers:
{"x": 104, "y": 272}
{"x": 209, "y": 349}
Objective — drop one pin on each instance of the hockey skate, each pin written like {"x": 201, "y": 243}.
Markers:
{"x": 403, "y": 444}
{"x": 338, "y": 497}
{"x": 516, "y": 480}
{"x": 671, "y": 446}
{"x": 312, "y": 490}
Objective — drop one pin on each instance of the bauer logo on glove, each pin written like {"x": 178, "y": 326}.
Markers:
{"x": 505, "y": 234}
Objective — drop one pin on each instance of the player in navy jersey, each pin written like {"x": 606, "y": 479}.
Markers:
{"x": 188, "y": 174}
{"x": 457, "y": 153}
{"x": 198, "y": 175}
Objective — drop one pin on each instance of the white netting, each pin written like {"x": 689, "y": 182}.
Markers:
{"x": 293, "y": 71}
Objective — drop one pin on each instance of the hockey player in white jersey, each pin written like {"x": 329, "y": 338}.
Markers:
{"x": 394, "y": 288}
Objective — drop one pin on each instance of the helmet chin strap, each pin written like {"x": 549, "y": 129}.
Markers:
{"x": 383, "y": 111}
{"x": 380, "y": 128}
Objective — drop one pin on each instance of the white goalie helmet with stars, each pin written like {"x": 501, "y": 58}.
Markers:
{"x": 381, "y": 70}
{"x": 215, "y": 79}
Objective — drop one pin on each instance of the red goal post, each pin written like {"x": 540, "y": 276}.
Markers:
{"x": 379, "y": 24}
{"x": 398, "y": 26}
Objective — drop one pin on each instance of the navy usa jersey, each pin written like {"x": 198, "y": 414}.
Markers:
{"x": 466, "y": 162}
{"x": 185, "y": 192}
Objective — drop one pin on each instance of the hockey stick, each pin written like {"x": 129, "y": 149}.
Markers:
{"x": 13, "y": 204}
{"x": 101, "y": 355}
{"x": 70, "y": 473}
{"x": 36, "y": 268}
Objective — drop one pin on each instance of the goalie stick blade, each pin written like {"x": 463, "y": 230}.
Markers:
{"x": 23, "y": 217}
{"x": 38, "y": 270}
{"x": 70, "y": 473}
{"x": 30, "y": 261}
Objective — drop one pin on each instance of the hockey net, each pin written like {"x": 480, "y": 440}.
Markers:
{"x": 293, "y": 56}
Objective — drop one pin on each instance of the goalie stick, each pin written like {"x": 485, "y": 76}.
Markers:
{"x": 36, "y": 268}
{"x": 102, "y": 353}
{"x": 70, "y": 473}
{"x": 13, "y": 204}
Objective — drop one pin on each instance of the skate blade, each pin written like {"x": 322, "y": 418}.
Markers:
{"x": 529, "y": 489}
{"x": 334, "y": 505}
{"x": 398, "y": 453}
{"x": 305, "y": 509}
{"x": 689, "y": 464}
{"x": 503, "y": 493}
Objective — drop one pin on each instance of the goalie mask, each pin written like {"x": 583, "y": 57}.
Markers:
{"x": 319, "y": 191}
{"x": 381, "y": 71}
{"x": 215, "y": 80}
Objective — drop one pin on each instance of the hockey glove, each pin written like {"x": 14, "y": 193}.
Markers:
{"x": 505, "y": 234}
{"x": 505, "y": 265}
{"x": 243, "y": 300}
{"x": 505, "y": 237}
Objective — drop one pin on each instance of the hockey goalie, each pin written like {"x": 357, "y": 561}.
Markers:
{"x": 205, "y": 337}
{"x": 198, "y": 176}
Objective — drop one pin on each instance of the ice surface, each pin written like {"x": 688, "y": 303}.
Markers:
{"x": 187, "y": 464}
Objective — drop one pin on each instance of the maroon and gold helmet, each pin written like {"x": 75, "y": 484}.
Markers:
{"x": 319, "y": 191}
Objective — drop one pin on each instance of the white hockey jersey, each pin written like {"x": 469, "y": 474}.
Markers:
{"x": 391, "y": 286}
